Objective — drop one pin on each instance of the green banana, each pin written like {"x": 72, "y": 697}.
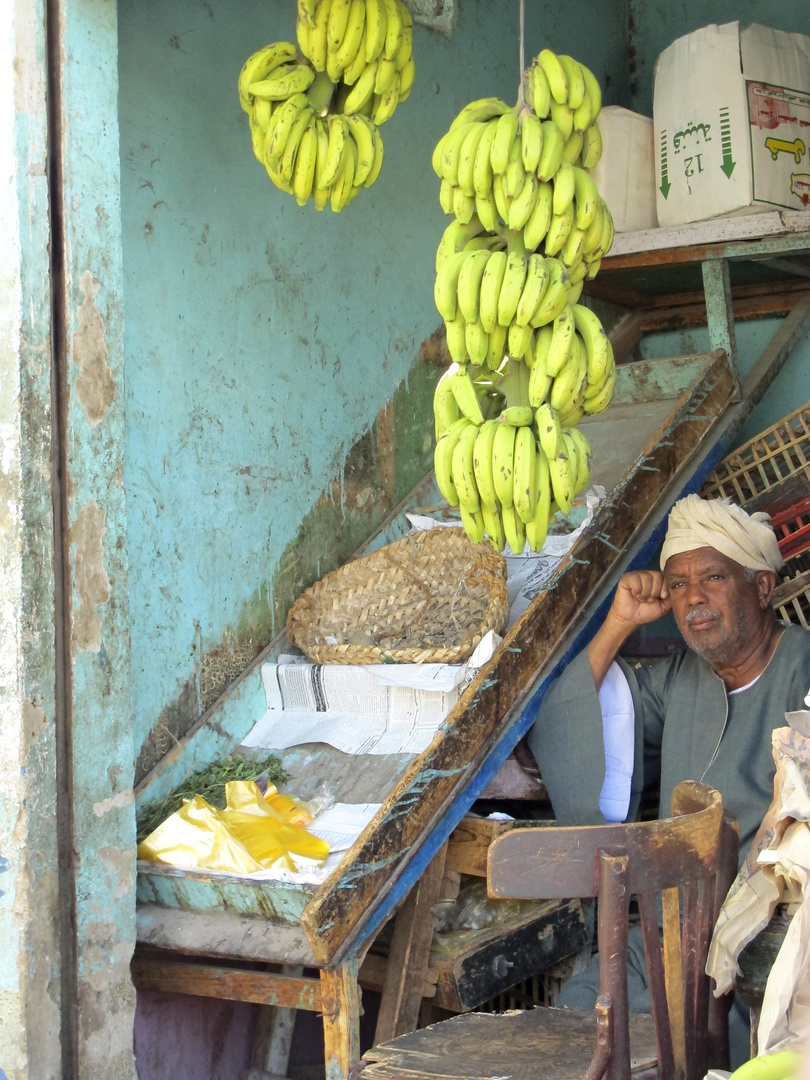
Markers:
{"x": 562, "y": 484}
{"x": 463, "y": 205}
{"x": 781, "y": 1065}
{"x": 445, "y": 288}
{"x": 555, "y": 73}
{"x": 517, "y": 416}
{"x": 593, "y": 89}
{"x": 591, "y": 146}
{"x": 303, "y": 175}
{"x": 496, "y": 348}
{"x": 568, "y": 389}
{"x": 571, "y": 254}
{"x": 456, "y": 336}
{"x": 586, "y": 197}
{"x": 563, "y": 118}
{"x": 522, "y": 205}
{"x": 531, "y": 140}
{"x": 564, "y": 188}
{"x": 482, "y": 166}
{"x": 598, "y": 403}
{"x": 572, "y": 148}
{"x": 455, "y": 238}
{"x": 451, "y": 151}
{"x": 477, "y": 341}
{"x": 539, "y": 90}
{"x": 519, "y": 338}
{"x": 487, "y": 211}
{"x": 443, "y": 460}
{"x": 562, "y": 338}
{"x": 583, "y": 477}
{"x": 467, "y": 156}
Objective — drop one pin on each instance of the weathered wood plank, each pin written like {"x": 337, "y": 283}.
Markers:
{"x": 340, "y": 996}
{"x": 226, "y": 983}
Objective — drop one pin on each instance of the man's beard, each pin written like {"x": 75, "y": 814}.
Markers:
{"x": 723, "y": 653}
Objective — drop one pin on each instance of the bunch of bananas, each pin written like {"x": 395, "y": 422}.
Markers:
{"x": 315, "y": 108}
{"x": 529, "y": 361}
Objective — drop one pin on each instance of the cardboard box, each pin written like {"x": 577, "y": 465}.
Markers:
{"x": 731, "y": 110}
{"x": 625, "y": 174}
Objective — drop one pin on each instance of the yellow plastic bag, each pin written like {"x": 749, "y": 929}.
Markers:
{"x": 247, "y": 836}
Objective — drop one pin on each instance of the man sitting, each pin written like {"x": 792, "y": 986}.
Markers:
{"x": 605, "y": 732}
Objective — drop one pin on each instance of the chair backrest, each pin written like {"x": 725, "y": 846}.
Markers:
{"x": 684, "y": 863}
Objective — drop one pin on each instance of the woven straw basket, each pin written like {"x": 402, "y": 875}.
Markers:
{"x": 429, "y": 598}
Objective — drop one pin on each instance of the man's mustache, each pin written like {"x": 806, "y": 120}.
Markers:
{"x": 700, "y": 614}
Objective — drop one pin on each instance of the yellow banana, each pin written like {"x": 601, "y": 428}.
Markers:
{"x": 549, "y": 430}
{"x": 572, "y": 148}
{"x": 593, "y": 89}
{"x": 477, "y": 341}
{"x": 456, "y": 336}
{"x": 406, "y": 79}
{"x": 466, "y": 398}
{"x": 343, "y": 189}
{"x": 531, "y": 140}
{"x": 533, "y": 289}
{"x": 443, "y": 460}
{"x": 469, "y": 283}
{"x": 405, "y": 46}
{"x": 320, "y": 192}
{"x": 472, "y": 521}
{"x": 446, "y": 196}
{"x": 568, "y": 389}
{"x": 490, "y": 291}
{"x": 583, "y": 477}
{"x": 260, "y": 64}
{"x": 386, "y": 106}
{"x": 513, "y": 281}
{"x": 467, "y": 154}
{"x": 552, "y": 152}
{"x": 574, "y": 463}
{"x": 393, "y": 29}
{"x": 586, "y": 197}
{"x": 463, "y": 205}
{"x": 562, "y": 338}
{"x": 376, "y": 25}
{"x": 482, "y": 109}
{"x": 562, "y": 484}
{"x": 593, "y": 234}
{"x": 362, "y": 90}
{"x": 338, "y": 21}
{"x": 384, "y": 76}
{"x": 462, "y": 469}
{"x": 286, "y": 163}
{"x": 525, "y": 474}
{"x": 304, "y": 169}
{"x": 571, "y": 254}
{"x": 378, "y": 156}
{"x": 282, "y": 119}
{"x": 564, "y": 188}
{"x": 576, "y": 291}
{"x": 318, "y": 45}
{"x": 562, "y": 116}
{"x": 593, "y": 334}
{"x": 357, "y": 65}
{"x": 496, "y": 347}
{"x": 593, "y": 266}
{"x": 339, "y": 139}
{"x": 515, "y": 176}
{"x": 445, "y": 288}
{"x": 451, "y": 152}
{"x": 535, "y": 229}
{"x": 539, "y": 378}
{"x": 540, "y": 91}
{"x": 576, "y": 80}
{"x": 591, "y": 146}
{"x": 353, "y": 35}
{"x": 493, "y": 526}
{"x": 258, "y": 134}
{"x": 482, "y": 166}
{"x": 559, "y": 230}
{"x": 500, "y": 199}
{"x": 522, "y": 205}
{"x": 482, "y": 464}
{"x": 781, "y": 1065}
{"x": 518, "y": 338}
{"x": 583, "y": 115}
{"x": 555, "y": 73}
{"x": 598, "y": 403}
{"x": 503, "y": 453}
{"x": 361, "y": 129}
{"x": 514, "y": 529}
{"x": 445, "y": 409}
{"x": 487, "y": 211}
{"x": 505, "y": 134}
{"x": 455, "y": 238}
{"x": 537, "y": 528}
{"x": 555, "y": 296}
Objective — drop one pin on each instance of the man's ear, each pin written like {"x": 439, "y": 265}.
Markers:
{"x": 766, "y": 583}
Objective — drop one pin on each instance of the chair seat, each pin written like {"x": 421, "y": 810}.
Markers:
{"x": 505, "y": 1046}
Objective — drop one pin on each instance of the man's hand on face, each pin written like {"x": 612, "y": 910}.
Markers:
{"x": 641, "y": 597}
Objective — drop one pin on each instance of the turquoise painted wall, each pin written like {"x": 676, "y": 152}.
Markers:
{"x": 262, "y": 338}
{"x": 654, "y": 26}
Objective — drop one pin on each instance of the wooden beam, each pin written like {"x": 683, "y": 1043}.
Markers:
{"x": 226, "y": 983}
{"x": 340, "y": 997}
{"x": 792, "y": 329}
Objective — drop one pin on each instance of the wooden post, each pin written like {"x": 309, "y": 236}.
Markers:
{"x": 340, "y": 995}
{"x": 720, "y": 314}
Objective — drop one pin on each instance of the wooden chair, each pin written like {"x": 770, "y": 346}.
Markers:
{"x": 680, "y": 867}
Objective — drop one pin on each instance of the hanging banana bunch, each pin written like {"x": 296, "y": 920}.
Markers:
{"x": 315, "y": 108}
{"x": 529, "y": 361}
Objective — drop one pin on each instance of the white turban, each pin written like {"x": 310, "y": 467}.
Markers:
{"x": 747, "y": 539}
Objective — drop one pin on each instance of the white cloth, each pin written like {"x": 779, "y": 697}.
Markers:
{"x": 618, "y": 732}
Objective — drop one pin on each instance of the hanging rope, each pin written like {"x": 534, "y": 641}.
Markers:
{"x": 521, "y": 95}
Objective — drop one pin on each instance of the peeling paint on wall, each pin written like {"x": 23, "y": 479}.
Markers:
{"x": 95, "y": 386}
{"x": 90, "y": 579}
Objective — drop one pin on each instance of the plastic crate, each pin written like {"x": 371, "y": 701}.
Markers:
{"x": 761, "y": 464}
{"x": 792, "y": 528}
